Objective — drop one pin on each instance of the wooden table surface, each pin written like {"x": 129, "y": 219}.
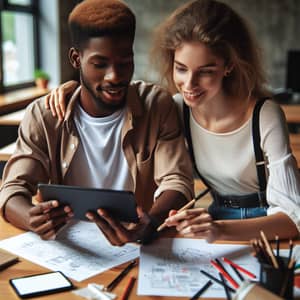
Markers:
{"x": 15, "y": 100}
{"x": 13, "y": 118}
{"x": 292, "y": 112}
{"x": 24, "y": 267}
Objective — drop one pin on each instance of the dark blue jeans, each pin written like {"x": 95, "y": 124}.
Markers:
{"x": 222, "y": 213}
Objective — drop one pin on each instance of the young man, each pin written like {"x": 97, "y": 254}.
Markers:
{"x": 117, "y": 134}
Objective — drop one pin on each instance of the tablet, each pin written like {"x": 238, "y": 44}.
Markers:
{"x": 119, "y": 204}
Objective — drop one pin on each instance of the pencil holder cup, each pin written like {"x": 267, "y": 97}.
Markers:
{"x": 280, "y": 280}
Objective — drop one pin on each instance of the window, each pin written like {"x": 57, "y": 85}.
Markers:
{"x": 18, "y": 37}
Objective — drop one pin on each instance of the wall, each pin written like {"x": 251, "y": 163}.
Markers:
{"x": 275, "y": 22}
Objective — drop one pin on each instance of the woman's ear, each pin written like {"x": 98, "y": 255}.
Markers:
{"x": 74, "y": 58}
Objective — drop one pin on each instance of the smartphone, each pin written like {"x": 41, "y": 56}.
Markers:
{"x": 40, "y": 284}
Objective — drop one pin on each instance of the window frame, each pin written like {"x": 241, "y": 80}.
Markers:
{"x": 33, "y": 10}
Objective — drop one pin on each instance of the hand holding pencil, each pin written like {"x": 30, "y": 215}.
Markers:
{"x": 187, "y": 206}
{"x": 192, "y": 222}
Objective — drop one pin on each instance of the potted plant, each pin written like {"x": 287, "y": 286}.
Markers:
{"x": 41, "y": 78}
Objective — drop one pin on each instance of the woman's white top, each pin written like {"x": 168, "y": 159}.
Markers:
{"x": 227, "y": 160}
{"x": 99, "y": 161}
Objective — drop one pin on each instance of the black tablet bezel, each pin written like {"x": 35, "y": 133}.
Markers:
{"x": 42, "y": 292}
{"x": 120, "y": 204}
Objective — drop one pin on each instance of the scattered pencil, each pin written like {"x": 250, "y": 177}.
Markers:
{"x": 228, "y": 296}
{"x": 128, "y": 288}
{"x": 239, "y": 268}
{"x": 225, "y": 274}
{"x": 119, "y": 277}
{"x": 217, "y": 280}
{"x": 202, "y": 290}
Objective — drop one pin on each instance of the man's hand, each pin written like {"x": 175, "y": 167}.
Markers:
{"x": 46, "y": 218}
{"x": 195, "y": 222}
{"x": 56, "y": 100}
{"x": 117, "y": 233}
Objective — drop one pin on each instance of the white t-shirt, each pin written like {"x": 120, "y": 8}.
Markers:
{"x": 227, "y": 160}
{"x": 99, "y": 161}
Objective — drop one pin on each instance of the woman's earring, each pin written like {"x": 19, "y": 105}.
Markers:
{"x": 227, "y": 73}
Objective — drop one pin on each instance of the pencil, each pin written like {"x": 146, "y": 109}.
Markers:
{"x": 128, "y": 288}
{"x": 187, "y": 206}
{"x": 269, "y": 250}
{"x": 237, "y": 267}
{"x": 228, "y": 296}
{"x": 277, "y": 245}
{"x": 120, "y": 277}
{"x": 225, "y": 274}
{"x": 216, "y": 280}
{"x": 290, "y": 251}
{"x": 202, "y": 290}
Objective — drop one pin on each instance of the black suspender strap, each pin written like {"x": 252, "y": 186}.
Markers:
{"x": 187, "y": 129}
{"x": 259, "y": 157}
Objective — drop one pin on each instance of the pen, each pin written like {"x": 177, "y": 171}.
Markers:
{"x": 187, "y": 206}
{"x": 216, "y": 280}
{"x": 251, "y": 275}
{"x": 225, "y": 274}
{"x": 112, "y": 285}
{"x": 128, "y": 288}
{"x": 228, "y": 296}
{"x": 202, "y": 290}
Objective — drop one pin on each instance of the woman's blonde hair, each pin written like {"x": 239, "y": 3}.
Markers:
{"x": 221, "y": 29}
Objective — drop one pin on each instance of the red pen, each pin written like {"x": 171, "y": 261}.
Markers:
{"x": 128, "y": 288}
{"x": 225, "y": 274}
{"x": 251, "y": 275}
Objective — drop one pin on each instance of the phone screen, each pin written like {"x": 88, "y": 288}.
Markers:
{"x": 40, "y": 284}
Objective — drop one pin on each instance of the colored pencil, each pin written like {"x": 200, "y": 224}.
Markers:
{"x": 213, "y": 278}
{"x": 113, "y": 284}
{"x": 225, "y": 274}
{"x": 128, "y": 288}
{"x": 290, "y": 251}
{"x": 237, "y": 267}
{"x": 187, "y": 206}
{"x": 202, "y": 290}
{"x": 228, "y": 296}
{"x": 277, "y": 245}
{"x": 269, "y": 250}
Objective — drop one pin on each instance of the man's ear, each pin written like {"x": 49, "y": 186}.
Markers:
{"x": 74, "y": 58}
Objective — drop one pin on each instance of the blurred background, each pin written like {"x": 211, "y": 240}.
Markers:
{"x": 34, "y": 44}
{"x": 35, "y": 41}
{"x": 34, "y": 35}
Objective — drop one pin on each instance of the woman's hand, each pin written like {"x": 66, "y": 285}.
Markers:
{"x": 46, "y": 218}
{"x": 56, "y": 99}
{"x": 195, "y": 222}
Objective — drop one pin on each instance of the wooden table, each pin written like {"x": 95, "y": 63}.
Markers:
{"x": 25, "y": 267}
{"x": 292, "y": 112}
{"x": 13, "y": 118}
{"x": 19, "y": 99}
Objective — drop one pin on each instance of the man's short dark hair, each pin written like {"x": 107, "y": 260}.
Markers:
{"x": 95, "y": 18}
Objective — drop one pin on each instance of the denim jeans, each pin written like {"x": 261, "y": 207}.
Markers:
{"x": 222, "y": 213}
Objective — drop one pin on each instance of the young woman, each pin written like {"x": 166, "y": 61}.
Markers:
{"x": 237, "y": 136}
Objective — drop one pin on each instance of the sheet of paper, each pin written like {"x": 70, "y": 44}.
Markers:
{"x": 80, "y": 251}
{"x": 171, "y": 267}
